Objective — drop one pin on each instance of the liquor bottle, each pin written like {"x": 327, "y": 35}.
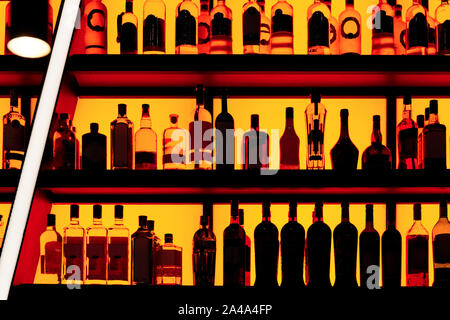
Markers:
{"x": 264, "y": 45}
{"x": 417, "y": 29}
{"x": 407, "y": 138}
{"x": 142, "y": 258}
{"x": 204, "y": 28}
{"x": 146, "y": 143}
{"x": 204, "y": 253}
{"x": 127, "y": 29}
{"x": 318, "y": 243}
{"x": 369, "y": 252}
{"x": 420, "y": 124}
{"x": 13, "y": 135}
{"x": 200, "y": 128}
{"x": 122, "y": 141}
{"x": 94, "y": 150}
{"x": 74, "y": 246}
{"x": 77, "y": 147}
{"x": 350, "y": 30}
{"x": 315, "y": 128}
{"x": 118, "y": 250}
{"x": 434, "y": 141}
{"x": 442, "y": 17}
{"x": 334, "y": 35}
{"x": 248, "y": 248}
{"x": 221, "y": 29}
{"x": 400, "y": 37}
{"x": 417, "y": 252}
{"x": 156, "y": 246}
{"x": 174, "y": 145}
{"x": 234, "y": 252}
{"x": 169, "y": 263}
{"x": 431, "y": 50}
{"x": 95, "y": 22}
{"x": 314, "y": 219}
{"x": 255, "y": 147}
{"x": 292, "y": 250}
{"x": 51, "y": 253}
{"x": 64, "y": 145}
{"x": 376, "y": 157}
{"x": 186, "y": 28}
{"x": 289, "y": 144}
{"x": 318, "y": 28}
{"x": 97, "y": 250}
{"x": 441, "y": 252}
{"x": 154, "y": 31}
{"x": 344, "y": 155}
{"x": 225, "y": 140}
{"x": 383, "y": 29}
{"x": 251, "y": 27}
{"x": 345, "y": 239}
{"x": 282, "y": 30}
{"x": 391, "y": 250}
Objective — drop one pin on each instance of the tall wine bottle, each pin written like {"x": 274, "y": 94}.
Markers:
{"x": 225, "y": 141}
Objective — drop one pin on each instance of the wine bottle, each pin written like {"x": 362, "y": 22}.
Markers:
{"x": 318, "y": 28}
{"x": 186, "y": 28}
{"x": 251, "y": 27}
{"x": 441, "y": 249}
{"x": 376, "y": 157}
{"x": 95, "y": 22}
{"x": 13, "y": 135}
{"x": 407, "y": 138}
{"x": 282, "y": 36}
{"x": 289, "y": 144}
{"x": 315, "y": 128}
{"x": 434, "y": 141}
{"x": 248, "y": 248}
{"x": 221, "y": 29}
{"x": 383, "y": 29}
{"x": 350, "y": 30}
{"x": 154, "y": 31}
{"x": 94, "y": 150}
{"x": 369, "y": 253}
{"x": 127, "y": 28}
{"x": 122, "y": 140}
{"x": 391, "y": 250}
{"x": 146, "y": 143}
{"x": 334, "y": 35}
{"x": 225, "y": 140}
{"x": 344, "y": 155}
{"x": 255, "y": 147}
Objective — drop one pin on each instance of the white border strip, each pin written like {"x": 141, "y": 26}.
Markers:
{"x": 33, "y": 157}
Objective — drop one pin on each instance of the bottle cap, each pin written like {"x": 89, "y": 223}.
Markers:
{"x": 151, "y": 225}
{"x": 289, "y": 113}
{"x": 234, "y": 208}
{"x": 391, "y": 213}
{"x": 168, "y": 238}
{"x": 406, "y": 99}
{"x": 94, "y": 127}
{"x": 266, "y": 208}
{"x": 420, "y": 121}
{"x": 254, "y": 122}
{"x": 417, "y": 211}
{"x": 427, "y": 114}
{"x": 200, "y": 95}
{"x": 207, "y": 208}
{"x": 97, "y": 211}
{"x": 344, "y": 113}
{"x": 64, "y": 116}
{"x": 142, "y": 221}
{"x": 319, "y": 209}
{"x": 173, "y": 118}
{"x": 122, "y": 109}
{"x": 118, "y": 211}
{"x": 398, "y": 10}
{"x": 369, "y": 212}
{"x": 349, "y": 2}
{"x": 74, "y": 211}
{"x": 51, "y": 219}
{"x": 292, "y": 208}
{"x": 433, "y": 107}
{"x": 315, "y": 97}
{"x": 204, "y": 220}
{"x": 14, "y": 100}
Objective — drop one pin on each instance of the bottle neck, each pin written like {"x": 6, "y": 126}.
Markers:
{"x": 74, "y": 221}
{"x": 376, "y": 134}
{"x": 146, "y": 122}
{"x": 344, "y": 128}
{"x": 118, "y": 221}
{"x": 97, "y": 222}
{"x": 289, "y": 122}
{"x": 293, "y": 218}
{"x": 129, "y": 6}
{"x": 407, "y": 110}
{"x": 204, "y": 6}
{"x": 369, "y": 224}
{"x": 14, "y": 109}
{"x": 224, "y": 105}
{"x": 434, "y": 118}
{"x": 51, "y": 228}
{"x": 266, "y": 218}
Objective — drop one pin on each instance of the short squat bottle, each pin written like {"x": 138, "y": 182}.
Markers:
{"x": 93, "y": 150}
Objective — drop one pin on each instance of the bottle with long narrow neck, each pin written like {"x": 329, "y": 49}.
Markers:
{"x": 344, "y": 155}
{"x": 417, "y": 29}
{"x": 64, "y": 145}
{"x": 224, "y": 139}
{"x": 376, "y": 157}
{"x": 221, "y": 29}
{"x": 334, "y": 35}
{"x": 127, "y": 29}
{"x": 248, "y": 248}
{"x": 13, "y": 135}
{"x": 94, "y": 24}
{"x": 289, "y": 144}
{"x": 264, "y": 45}
{"x": 434, "y": 141}
{"x": 146, "y": 143}
{"x": 292, "y": 250}
{"x": 391, "y": 250}
{"x": 122, "y": 141}
{"x": 118, "y": 250}
{"x": 142, "y": 255}
{"x": 174, "y": 145}
{"x": 77, "y": 146}
{"x": 441, "y": 249}
{"x": 442, "y": 17}
{"x": 154, "y": 30}
{"x": 315, "y": 128}
{"x": 369, "y": 253}
{"x": 282, "y": 28}
{"x": 400, "y": 33}
{"x": 204, "y": 28}
{"x": 97, "y": 250}
{"x": 431, "y": 49}
{"x": 93, "y": 150}
{"x": 51, "y": 253}
{"x": 251, "y": 27}
{"x": 427, "y": 116}
{"x": 349, "y": 30}
{"x": 318, "y": 16}
{"x": 383, "y": 29}
{"x": 407, "y": 137}
{"x": 186, "y": 18}
{"x": 74, "y": 253}
{"x": 255, "y": 147}
{"x": 420, "y": 124}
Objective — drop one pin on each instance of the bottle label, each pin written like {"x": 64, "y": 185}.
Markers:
{"x": 128, "y": 38}
{"x": 96, "y": 254}
{"x": 96, "y": 29}
{"x": 221, "y": 26}
{"x": 318, "y": 30}
{"x": 382, "y": 23}
{"x": 434, "y": 144}
{"x": 408, "y": 143}
{"x": 417, "y": 254}
{"x": 204, "y": 31}
{"x": 52, "y": 259}
{"x": 444, "y": 37}
{"x": 169, "y": 258}
{"x": 251, "y": 26}
{"x": 441, "y": 248}
{"x": 122, "y": 147}
{"x": 73, "y": 253}
{"x": 142, "y": 259}
{"x": 352, "y": 24}
{"x": 118, "y": 259}
{"x": 186, "y": 32}
{"x": 154, "y": 34}
{"x": 418, "y": 31}
{"x": 14, "y": 136}
{"x": 282, "y": 22}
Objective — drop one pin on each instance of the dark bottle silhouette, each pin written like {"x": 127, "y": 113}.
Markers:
{"x": 234, "y": 250}
{"x": 441, "y": 249}
{"x": 93, "y": 149}
{"x": 434, "y": 141}
{"x": 377, "y": 157}
{"x": 142, "y": 259}
{"x": 369, "y": 251}
{"x": 345, "y": 237}
{"x": 266, "y": 250}
{"x": 127, "y": 30}
{"x": 255, "y": 147}
{"x": 318, "y": 243}
{"x": 248, "y": 248}
{"x": 344, "y": 155}
{"x": 225, "y": 145}
{"x": 391, "y": 251}
{"x": 292, "y": 250}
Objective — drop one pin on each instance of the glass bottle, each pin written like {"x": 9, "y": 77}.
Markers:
{"x": 383, "y": 29}
{"x": 154, "y": 31}
{"x": 255, "y": 147}
{"x": 369, "y": 252}
{"x": 441, "y": 249}
{"x": 264, "y": 45}
{"x": 376, "y": 157}
{"x": 74, "y": 249}
{"x": 314, "y": 219}
{"x": 434, "y": 141}
{"x": 142, "y": 258}
{"x": 97, "y": 250}
{"x": 251, "y": 27}
{"x": 186, "y": 28}
{"x": 156, "y": 246}
{"x": 344, "y": 155}
{"x": 417, "y": 29}
{"x": 51, "y": 253}
{"x": 417, "y": 252}
{"x": 420, "y": 124}
{"x": 201, "y": 135}
{"x": 64, "y": 148}
{"x": 13, "y": 135}
{"x": 400, "y": 37}
{"x": 350, "y": 30}
{"x": 266, "y": 250}
{"x": 174, "y": 145}
{"x": 334, "y": 35}
{"x": 122, "y": 140}
{"x": 118, "y": 250}
{"x": 431, "y": 50}
{"x": 318, "y": 28}
{"x": 127, "y": 29}
{"x": 146, "y": 143}
{"x": 169, "y": 263}
{"x": 292, "y": 250}
{"x": 225, "y": 140}
{"x": 95, "y": 23}
{"x": 221, "y": 29}
{"x": 315, "y": 128}
{"x": 442, "y": 17}
{"x": 94, "y": 150}
{"x": 427, "y": 116}
{"x": 248, "y": 248}
{"x": 407, "y": 137}
{"x": 204, "y": 28}
{"x": 391, "y": 250}
{"x": 289, "y": 144}
{"x": 77, "y": 146}
{"x": 318, "y": 243}
{"x": 234, "y": 252}
{"x": 282, "y": 30}
{"x": 345, "y": 239}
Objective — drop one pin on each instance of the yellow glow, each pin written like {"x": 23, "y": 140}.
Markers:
{"x": 29, "y": 47}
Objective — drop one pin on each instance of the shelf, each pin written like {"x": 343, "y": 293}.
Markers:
{"x": 9, "y": 180}
{"x": 20, "y": 72}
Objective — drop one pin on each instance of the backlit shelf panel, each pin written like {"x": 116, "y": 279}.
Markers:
{"x": 20, "y": 72}
{"x": 8, "y": 184}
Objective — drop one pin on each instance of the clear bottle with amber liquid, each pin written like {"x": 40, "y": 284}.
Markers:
{"x": 407, "y": 138}
{"x": 74, "y": 249}
{"x": 318, "y": 16}
{"x": 118, "y": 250}
{"x": 97, "y": 250}
{"x": 282, "y": 30}
{"x": 13, "y": 135}
{"x": 289, "y": 144}
{"x": 417, "y": 29}
{"x": 204, "y": 28}
{"x": 174, "y": 145}
{"x": 169, "y": 263}
{"x": 146, "y": 143}
{"x": 383, "y": 29}
{"x": 264, "y": 45}
{"x": 349, "y": 30}
{"x": 442, "y": 17}
{"x": 344, "y": 154}
{"x": 431, "y": 50}
{"x": 51, "y": 253}
{"x": 441, "y": 249}
{"x": 186, "y": 17}
{"x": 251, "y": 27}
{"x": 400, "y": 32}
{"x": 221, "y": 29}
{"x": 122, "y": 140}
{"x": 434, "y": 141}
{"x": 154, "y": 30}
{"x": 127, "y": 30}
{"x": 377, "y": 157}
{"x": 94, "y": 23}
